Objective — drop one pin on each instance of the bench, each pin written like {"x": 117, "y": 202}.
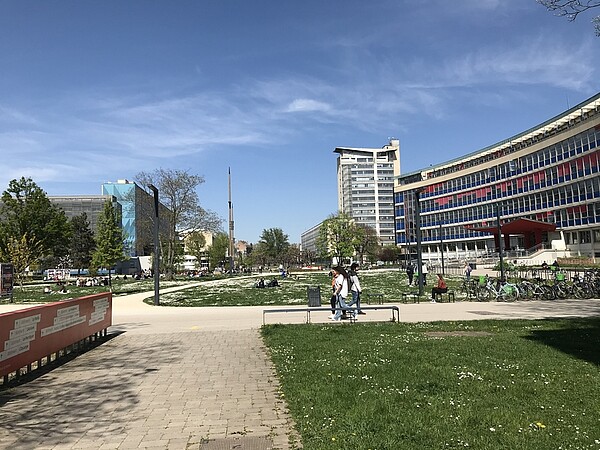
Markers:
{"x": 395, "y": 311}
{"x": 378, "y": 296}
{"x": 414, "y": 296}
{"x": 449, "y": 296}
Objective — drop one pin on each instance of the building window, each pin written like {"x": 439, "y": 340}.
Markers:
{"x": 585, "y": 237}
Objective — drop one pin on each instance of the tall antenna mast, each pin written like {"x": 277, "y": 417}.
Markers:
{"x": 231, "y": 254}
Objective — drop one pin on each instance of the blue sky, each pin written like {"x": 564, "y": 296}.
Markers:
{"x": 96, "y": 91}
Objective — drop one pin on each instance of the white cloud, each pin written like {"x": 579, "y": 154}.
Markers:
{"x": 305, "y": 104}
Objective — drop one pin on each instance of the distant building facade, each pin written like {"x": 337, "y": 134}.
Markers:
{"x": 365, "y": 182}
{"x": 308, "y": 239}
{"x": 191, "y": 262}
{"x": 91, "y": 205}
{"x": 543, "y": 183}
{"x": 137, "y": 211}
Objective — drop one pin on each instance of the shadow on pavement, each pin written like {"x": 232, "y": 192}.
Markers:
{"x": 60, "y": 406}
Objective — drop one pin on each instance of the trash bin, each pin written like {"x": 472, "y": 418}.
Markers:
{"x": 314, "y": 295}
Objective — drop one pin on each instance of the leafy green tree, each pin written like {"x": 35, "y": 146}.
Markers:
{"x": 338, "y": 237}
{"x": 258, "y": 256}
{"x": 274, "y": 244}
{"x": 218, "y": 250}
{"x": 366, "y": 242}
{"x": 292, "y": 256}
{"x": 82, "y": 243}
{"x": 389, "y": 253}
{"x": 109, "y": 240}
{"x": 27, "y": 212}
{"x": 21, "y": 252}
{"x": 196, "y": 245}
{"x": 177, "y": 191}
{"x": 572, "y": 8}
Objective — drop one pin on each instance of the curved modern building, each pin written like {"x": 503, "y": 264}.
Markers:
{"x": 542, "y": 186}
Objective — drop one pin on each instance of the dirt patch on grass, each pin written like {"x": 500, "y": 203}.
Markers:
{"x": 458, "y": 333}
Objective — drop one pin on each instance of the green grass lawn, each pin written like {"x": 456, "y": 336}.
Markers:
{"x": 240, "y": 291}
{"x": 479, "y": 385}
{"x": 34, "y": 292}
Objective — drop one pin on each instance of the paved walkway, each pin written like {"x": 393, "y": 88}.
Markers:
{"x": 190, "y": 378}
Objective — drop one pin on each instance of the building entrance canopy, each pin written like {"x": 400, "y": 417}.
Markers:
{"x": 532, "y": 230}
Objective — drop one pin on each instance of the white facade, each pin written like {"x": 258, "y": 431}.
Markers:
{"x": 365, "y": 179}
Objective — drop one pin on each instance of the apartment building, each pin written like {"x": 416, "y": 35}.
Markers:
{"x": 365, "y": 181}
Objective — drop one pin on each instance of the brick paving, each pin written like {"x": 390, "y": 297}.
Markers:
{"x": 163, "y": 391}
{"x": 190, "y": 378}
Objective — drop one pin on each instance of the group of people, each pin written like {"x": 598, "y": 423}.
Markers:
{"x": 410, "y": 273}
{"x": 440, "y": 287}
{"x": 343, "y": 284}
{"x": 261, "y": 283}
{"x": 61, "y": 288}
{"x": 93, "y": 281}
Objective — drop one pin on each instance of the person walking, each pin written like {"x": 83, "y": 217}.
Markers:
{"x": 340, "y": 291}
{"x": 410, "y": 272}
{"x": 440, "y": 288}
{"x": 424, "y": 273}
{"x": 355, "y": 288}
{"x": 333, "y": 299}
{"x": 467, "y": 271}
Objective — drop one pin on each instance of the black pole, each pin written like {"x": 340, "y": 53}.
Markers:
{"x": 418, "y": 232}
{"x": 156, "y": 260}
{"x": 500, "y": 246}
{"x": 442, "y": 250}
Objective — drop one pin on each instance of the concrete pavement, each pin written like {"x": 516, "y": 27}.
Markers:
{"x": 191, "y": 378}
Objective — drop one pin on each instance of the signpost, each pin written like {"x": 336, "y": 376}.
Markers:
{"x": 6, "y": 280}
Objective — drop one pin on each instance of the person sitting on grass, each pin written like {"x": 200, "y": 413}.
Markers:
{"x": 440, "y": 288}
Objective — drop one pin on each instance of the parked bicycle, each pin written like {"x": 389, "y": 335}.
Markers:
{"x": 469, "y": 289}
{"x": 535, "y": 290}
{"x": 497, "y": 290}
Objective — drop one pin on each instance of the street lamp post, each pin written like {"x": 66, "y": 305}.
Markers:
{"x": 156, "y": 260}
{"x": 500, "y": 246}
{"x": 442, "y": 250}
{"x": 418, "y": 233}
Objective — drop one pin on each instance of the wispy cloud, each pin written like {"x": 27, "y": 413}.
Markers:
{"x": 307, "y": 105}
{"x": 87, "y": 133}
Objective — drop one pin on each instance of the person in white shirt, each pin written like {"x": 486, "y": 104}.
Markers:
{"x": 340, "y": 290}
{"x": 355, "y": 288}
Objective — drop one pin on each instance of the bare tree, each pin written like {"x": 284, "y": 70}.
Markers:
{"x": 572, "y": 8}
{"x": 178, "y": 193}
